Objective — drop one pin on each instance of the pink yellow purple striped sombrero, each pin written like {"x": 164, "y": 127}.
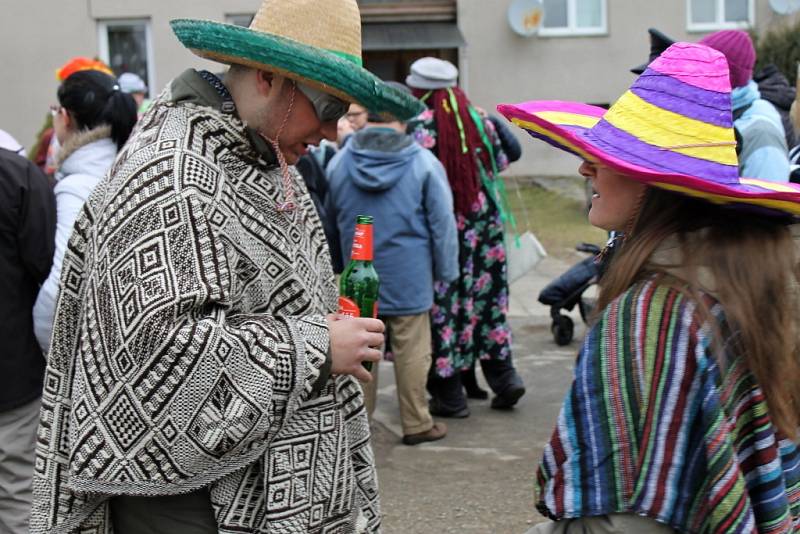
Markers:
{"x": 672, "y": 129}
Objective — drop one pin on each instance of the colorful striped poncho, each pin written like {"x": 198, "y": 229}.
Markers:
{"x": 652, "y": 426}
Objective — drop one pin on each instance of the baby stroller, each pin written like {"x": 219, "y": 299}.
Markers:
{"x": 566, "y": 291}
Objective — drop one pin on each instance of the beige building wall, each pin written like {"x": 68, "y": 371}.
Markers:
{"x": 36, "y": 38}
{"x": 497, "y": 65}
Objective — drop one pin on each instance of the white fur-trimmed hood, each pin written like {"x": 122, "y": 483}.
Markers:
{"x": 90, "y": 153}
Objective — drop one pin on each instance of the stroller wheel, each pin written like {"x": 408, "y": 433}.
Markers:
{"x": 563, "y": 330}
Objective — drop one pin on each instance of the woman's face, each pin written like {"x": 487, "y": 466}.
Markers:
{"x": 62, "y": 123}
{"x": 616, "y": 197}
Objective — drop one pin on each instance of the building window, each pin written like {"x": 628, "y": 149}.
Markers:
{"x": 240, "y": 19}
{"x": 126, "y": 46}
{"x": 574, "y": 17}
{"x": 710, "y": 15}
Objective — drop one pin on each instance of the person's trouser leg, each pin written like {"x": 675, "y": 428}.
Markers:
{"x": 447, "y": 392}
{"x": 371, "y": 390}
{"x": 190, "y": 513}
{"x": 17, "y": 451}
{"x": 500, "y": 375}
{"x": 411, "y": 344}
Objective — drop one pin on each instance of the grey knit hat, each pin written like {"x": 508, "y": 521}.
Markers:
{"x": 131, "y": 83}
{"x": 432, "y": 73}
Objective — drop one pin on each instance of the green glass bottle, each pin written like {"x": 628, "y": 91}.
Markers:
{"x": 358, "y": 286}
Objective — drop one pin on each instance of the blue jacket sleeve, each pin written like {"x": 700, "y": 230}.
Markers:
{"x": 441, "y": 223}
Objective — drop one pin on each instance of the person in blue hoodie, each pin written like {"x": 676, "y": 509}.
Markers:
{"x": 384, "y": 173}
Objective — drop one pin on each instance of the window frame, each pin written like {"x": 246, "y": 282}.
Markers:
{"x": 720, "y": 23}
{"x": 571, "y": 30}
{"x": 103, "y": 52}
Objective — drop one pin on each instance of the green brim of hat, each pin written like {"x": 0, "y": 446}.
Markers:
{"x": 335, "y": 73}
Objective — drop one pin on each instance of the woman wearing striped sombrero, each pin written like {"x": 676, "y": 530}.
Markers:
{"x": 685, "y": 405}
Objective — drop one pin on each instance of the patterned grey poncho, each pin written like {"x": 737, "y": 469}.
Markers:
{"x": 189, "y": 332}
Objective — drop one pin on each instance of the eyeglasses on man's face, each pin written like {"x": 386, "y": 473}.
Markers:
{"x": 354, "y": 115}
{"x": 327, "y": 107}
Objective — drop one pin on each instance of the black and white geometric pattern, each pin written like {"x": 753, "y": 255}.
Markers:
{"x": 189, "y": 331}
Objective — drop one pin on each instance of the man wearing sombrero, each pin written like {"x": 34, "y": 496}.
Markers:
{"x": 196, "y": 381}
{"x": 684, "y": 409}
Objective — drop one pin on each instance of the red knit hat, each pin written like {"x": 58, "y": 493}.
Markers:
{"x": 739, "y": 51}
{"x": 80, "y": 63}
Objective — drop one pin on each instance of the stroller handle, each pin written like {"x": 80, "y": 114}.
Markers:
{"x": 588, "y": 248}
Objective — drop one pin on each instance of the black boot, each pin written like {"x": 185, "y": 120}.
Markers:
{"x": 504, "y": 381}
{"x": 507, "y": 399}
{"x": 448, "y": 398}
{"x": 438, "y": 409}
{"x": 470, "y": 383}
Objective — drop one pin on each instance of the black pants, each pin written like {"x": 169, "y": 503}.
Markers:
{"x": 449, "y": 393}
{"x": 170, "y": 514}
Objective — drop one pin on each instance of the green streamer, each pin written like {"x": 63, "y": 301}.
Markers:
{"x": 454, "y": 107}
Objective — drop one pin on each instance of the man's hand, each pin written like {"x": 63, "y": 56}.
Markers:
{"x": 354, "y": 340}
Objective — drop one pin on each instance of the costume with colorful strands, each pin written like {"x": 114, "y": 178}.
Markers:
{"x": 651, "y": 426}
{"x": 673, "y": 129}
{"x": 469, "y": 315}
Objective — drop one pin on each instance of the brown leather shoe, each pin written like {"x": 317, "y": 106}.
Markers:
{"x": 438, "y": 431}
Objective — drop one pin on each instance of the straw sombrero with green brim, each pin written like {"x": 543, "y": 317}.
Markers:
{"x": 316, "y": 42}
{"x": 672, "y": 129}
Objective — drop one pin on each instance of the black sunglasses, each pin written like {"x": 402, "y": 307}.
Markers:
{"x": 328, "y": 107}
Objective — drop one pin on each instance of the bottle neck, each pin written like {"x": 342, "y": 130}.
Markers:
{"x": 362, "y": 243}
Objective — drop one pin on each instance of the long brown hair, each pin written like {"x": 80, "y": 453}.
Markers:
{"x": 753, "y": 264}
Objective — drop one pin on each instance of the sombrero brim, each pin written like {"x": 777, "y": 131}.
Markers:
{"x": 323, "y": 69}
{"x": 567, "y": 126}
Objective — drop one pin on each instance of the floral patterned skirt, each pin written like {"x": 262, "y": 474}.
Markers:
{"x": 468, "y": 318}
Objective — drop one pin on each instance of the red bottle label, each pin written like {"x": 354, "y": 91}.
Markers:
{"x": 362, "y": 243}
{"x": 348, "y": 308}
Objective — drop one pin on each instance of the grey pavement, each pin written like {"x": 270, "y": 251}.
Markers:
{"x": 479, "y": 479}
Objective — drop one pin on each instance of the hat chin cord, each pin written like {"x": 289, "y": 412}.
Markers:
{"x": 637, "y": 211}
{"x": 288, "y": 185}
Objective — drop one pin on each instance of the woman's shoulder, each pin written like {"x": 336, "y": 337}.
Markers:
{"x": 660, "y": 302}
{"x": 656, "y": 291}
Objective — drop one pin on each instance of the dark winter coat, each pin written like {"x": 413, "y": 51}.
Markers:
{"x": 775, "y": 88}
{"x": 508, "y": 140}
{"x": 27, "y": 241}
{"x": 316, "y": 180}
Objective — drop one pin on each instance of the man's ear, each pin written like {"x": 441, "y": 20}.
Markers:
{"x": 264, "y": 82}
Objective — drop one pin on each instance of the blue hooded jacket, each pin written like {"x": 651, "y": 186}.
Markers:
{"x": 385, "y": 174}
